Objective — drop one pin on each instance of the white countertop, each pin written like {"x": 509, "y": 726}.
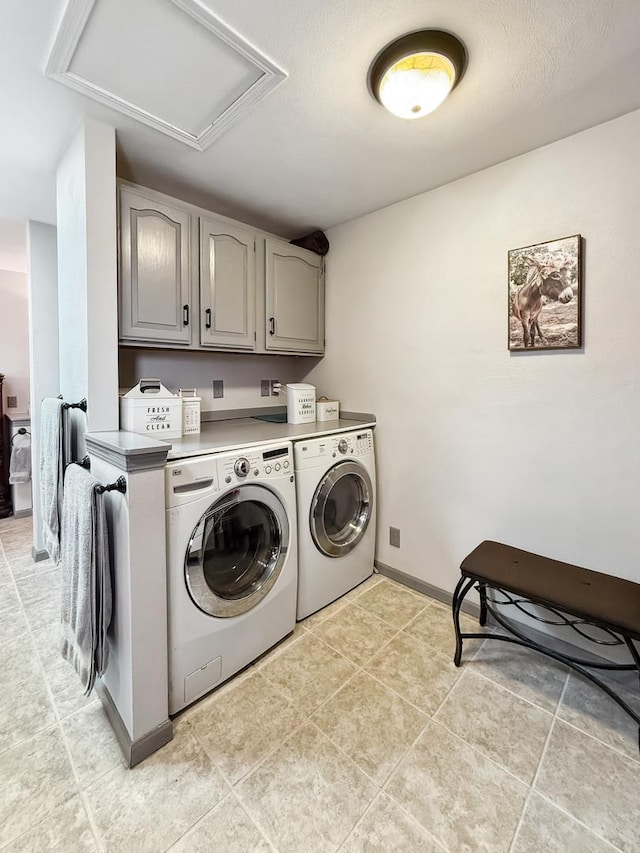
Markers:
{"x": 217, "y": 436}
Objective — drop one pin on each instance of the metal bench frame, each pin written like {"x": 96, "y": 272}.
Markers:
{"x": 615, "y": 635}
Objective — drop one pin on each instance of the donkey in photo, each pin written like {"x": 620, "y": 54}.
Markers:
{"x": 542, "y": 281}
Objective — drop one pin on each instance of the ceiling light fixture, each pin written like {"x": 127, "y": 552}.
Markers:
{"x": 413, "y": 75}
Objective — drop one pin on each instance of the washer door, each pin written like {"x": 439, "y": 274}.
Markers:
{"x": 341, "y": 509}
{"x": 237, "y": 551}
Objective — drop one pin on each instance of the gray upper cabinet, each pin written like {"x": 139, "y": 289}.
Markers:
{"x": 189, "y": 279}
{"x": 294, "y": 299}
{"x": 227, "y": 286}
{"x": 155, "y": 270}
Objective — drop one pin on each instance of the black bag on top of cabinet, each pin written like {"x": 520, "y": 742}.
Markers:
{"x": 316, "y": 242}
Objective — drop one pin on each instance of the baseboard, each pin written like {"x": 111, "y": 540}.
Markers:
{"x": 425, "y": 588}
{"x": 39, "y": 556}
{"x": 134, "y": 751}
{"x": 22, "y": 513}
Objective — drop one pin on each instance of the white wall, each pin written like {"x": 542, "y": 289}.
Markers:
{"x": 87, "y": 274}
{"x": 14, "y": 337}
{"x": 539, "y": 450}
{"x": 43, "y": 344}
{"x": 241, "y": 374}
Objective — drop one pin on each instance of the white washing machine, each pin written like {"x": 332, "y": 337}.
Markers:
{"x": 231, "y": 564}
{"x": 335, "y": 478}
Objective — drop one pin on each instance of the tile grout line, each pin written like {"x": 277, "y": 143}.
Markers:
{"x": 200, "y": 819}
{"x": 576, "y": 820}
{"x": 538, "y": 793}
{"x": 615, "y": 749}
{"x": 254, "y": 820}
{"x": 58, "y": 724}
{"x": 231, "y": 785}
{"x": 401, "y": 805}
{"x": 308, "y": 719}
{"x": 555, "y": 714}
{"x": 514, "y": 694}
{"x": 537, "y": 772}
{"x": 383, "y": 794}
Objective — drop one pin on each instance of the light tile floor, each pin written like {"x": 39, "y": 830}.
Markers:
{"x": 356, "y": 734}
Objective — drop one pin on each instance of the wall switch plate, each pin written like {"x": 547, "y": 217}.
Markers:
{"x": 394, "y": 536}
{"x": 12, "y": 402}
{"x": 265, "y": 387}
{"x": 218, "y": 388}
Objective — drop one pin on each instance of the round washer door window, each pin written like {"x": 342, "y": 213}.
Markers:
{"x": 237, "y": 551}
{"x": 341, "y": 509}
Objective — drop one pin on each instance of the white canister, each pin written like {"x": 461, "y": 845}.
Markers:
{"x": 301, "y": 403}
{"x": 190, "y": 410}
{"x": 327, "y": 410}
{"x": 151, "y": 409}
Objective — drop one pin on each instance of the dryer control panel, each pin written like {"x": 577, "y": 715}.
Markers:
{"x": 345, "y": 445}
{"x": 352, "y": 444}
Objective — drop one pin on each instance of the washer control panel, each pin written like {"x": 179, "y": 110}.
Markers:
{"x": 255, "y": 464}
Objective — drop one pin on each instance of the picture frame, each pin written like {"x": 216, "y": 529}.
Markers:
{"x": 545, "y": 296}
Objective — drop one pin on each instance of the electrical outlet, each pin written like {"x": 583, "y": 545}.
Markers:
{"x": 12, "y": 402}
{"x": 394, "y": 536}
{"x": 265, "y": 387}
{"x": 218, "y": 388}
{"x": 275, "y": 387}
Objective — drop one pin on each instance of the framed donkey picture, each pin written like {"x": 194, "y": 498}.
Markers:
{"x": 545, "y": 295}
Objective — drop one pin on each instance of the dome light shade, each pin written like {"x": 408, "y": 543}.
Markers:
{"x": 413, "y": 75}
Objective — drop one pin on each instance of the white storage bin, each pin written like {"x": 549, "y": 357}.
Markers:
{"x": 301, "y": 403}
{"x": 151, "y": 409}
{"x": 327, "y": 410}
{"x": 190, "y": 410}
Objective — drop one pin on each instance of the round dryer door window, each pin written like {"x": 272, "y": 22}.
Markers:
{"x": 341, "y": 509}
{"x": 237, "y": 551}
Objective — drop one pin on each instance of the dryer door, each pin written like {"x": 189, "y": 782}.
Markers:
{"x": 237, "y": 551}
{"x": 341, "y": 509}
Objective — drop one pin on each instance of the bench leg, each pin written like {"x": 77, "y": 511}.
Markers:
{"x": 636, "y": 659}
{"x": 462, "y": 588}
{"x": 483, "y": 605}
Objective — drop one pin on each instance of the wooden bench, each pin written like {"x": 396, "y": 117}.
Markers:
{"x": 568, "y": 595}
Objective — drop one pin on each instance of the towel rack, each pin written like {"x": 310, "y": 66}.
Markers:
{"x": 21, "y": 431}
{"x": 120, "y": 484}
{"x": 81, "y": 405}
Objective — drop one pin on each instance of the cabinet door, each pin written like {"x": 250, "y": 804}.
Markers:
{"x": 155, "y": 270}
{"x": 294, "y": 299}
{"x": 227, "y": 286}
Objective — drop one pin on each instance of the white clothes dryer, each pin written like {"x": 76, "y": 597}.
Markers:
{"x": 231, "y": 564}
{"x": 335, "y": 477}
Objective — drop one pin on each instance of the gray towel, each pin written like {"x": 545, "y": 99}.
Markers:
{"x": 86, "y": 577}
{"x": 20, "y": 462}
{"x": 51, "y": 472}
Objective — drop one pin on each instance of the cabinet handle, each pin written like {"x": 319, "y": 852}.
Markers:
{"x": 207, "y": 315}
{"x": 185, "y": 315}
{"x": 272, "y": 325}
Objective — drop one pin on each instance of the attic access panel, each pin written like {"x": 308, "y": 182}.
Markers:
{"x": 171, "y": 64}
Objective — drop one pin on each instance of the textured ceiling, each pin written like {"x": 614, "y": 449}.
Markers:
{"x": 319, "y": 150}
